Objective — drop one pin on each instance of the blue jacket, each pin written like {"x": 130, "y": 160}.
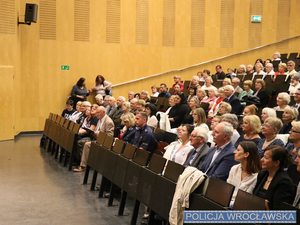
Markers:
{"x": 221, "y": 166}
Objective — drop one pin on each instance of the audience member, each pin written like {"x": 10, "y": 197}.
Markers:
{"x": 236, "y": 106}
{"x": 283, "y": 99}
{"x": 296, "y": 203}
{"x": 68, "y": 111}
{"x": 261, "y": 93}
{"x": 236, "y": 85}
{"x": 295, "y": 84}
{"x": 128, "y": 122}
{"x": 282, "y": 68}
{"x": 199, "y": 118}
{"x": 251, "y": 128}
{"x": 79, "y": 91}
{"x": 270, "y": 129}
{"x": 250, "y": 110}
{"x": 163, "y": 91}
{"x": 220, "y": 75}
{"x": 267, "y": 113}
{"x": 273, "y": 183}
{"x": 224, "y": 108}
{"x": 198, "y": 139}
{"x": 216, "y": 104}
{"x": 249, "y": 69}
{"x": 269, "y": 71}
{"x": 193, "y": 104}
{"x": 241, "y": 71}
{"x": 154, "y": 91}
{"x": 290, "y": 70}
{"x": 102, "y": 86}
{"x": 259, "y": 70}
{"x": 233, "y": 120}
{"x": 247, "y": 90}
{"x": 151, "y": 111}
{"x": 220, "y": 158}
{"x": 99, "y": 99}
{"x": 244, "y": 175}
{"x": 130, "y": 95}
{"x": 177, "y": 80}
{"x": 177, "y": 111}
{"x": 289, "y": 114}
{"x": 178, "y": 150}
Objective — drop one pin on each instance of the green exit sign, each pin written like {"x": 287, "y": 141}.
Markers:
{"x": 64, "y": 67}
{"x": 256, "y": 19}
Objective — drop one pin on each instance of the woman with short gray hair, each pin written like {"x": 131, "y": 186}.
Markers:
{"x": 270, "y": 129}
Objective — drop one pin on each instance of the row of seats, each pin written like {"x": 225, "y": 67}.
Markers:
{"x": 148, "y": 179}
{"x": 60, "y": 135}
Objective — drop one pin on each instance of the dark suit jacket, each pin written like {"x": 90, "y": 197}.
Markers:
{"x": 221, "y": 166}
{"x": 199, "y": 158}
{"x": 235, "y": 103}
{"x": 263, "y": 97}
{"x": 281, "y": 188}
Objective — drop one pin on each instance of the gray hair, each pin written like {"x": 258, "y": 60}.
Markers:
{"x": 227, "y": 129}
{"x": 201, "y": 132}
{"x": 275, "y": 123}
{"x": 230, "y": 118}
{"x": 99, "y": 97}
{"x": 285, "y": 96}
{"x": 269, "y": 111}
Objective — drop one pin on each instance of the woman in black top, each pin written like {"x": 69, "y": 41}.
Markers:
{"x": 273, "y": 183}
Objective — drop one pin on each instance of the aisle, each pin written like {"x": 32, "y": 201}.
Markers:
{"x": 36, "y": 190}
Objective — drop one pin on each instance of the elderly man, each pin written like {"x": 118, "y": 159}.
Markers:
{"x": 116, "y": 114}
{"x": 112, "y": 106}
{"x": 130, "y": 95}
{"x": 269, "y": 70}
{"x": 105, "y": 124}
{"x": 220, "y": 158}
{"x": 290, "y": 69}
{"x": 198, "y": 139}
{"x": 234, "y": 101}
{"x": 236, "y": 85}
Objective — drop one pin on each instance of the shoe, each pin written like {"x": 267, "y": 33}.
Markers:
{"x": 79, "y": 169}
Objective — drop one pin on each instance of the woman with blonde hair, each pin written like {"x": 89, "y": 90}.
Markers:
{"x": 199, "y": 118}
{"x": 289, "y": 114}
{"x": 250, "y": 110}
{"x": 282, "y": 100}
{"x": 251, "y": 127}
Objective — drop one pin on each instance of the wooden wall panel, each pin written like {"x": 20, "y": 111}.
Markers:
{"x": 82, "y": 20}
{"x": 8, "y": 17}
{"x": 47, "y": 19}
{"x": 283, "y": 19}
{"x": 198, "y": 23}
{"x": 142, "y": 21}
{"x": 255, "y": 29}
{"x": 113, "y": 21}
{"x": 169, "y": 7}
{"x": 227, "y": 23}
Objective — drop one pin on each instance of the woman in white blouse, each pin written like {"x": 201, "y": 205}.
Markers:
{"x": 243, "y": 175}
{"x": 177, "y": 151}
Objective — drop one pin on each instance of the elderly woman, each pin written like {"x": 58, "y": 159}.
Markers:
{"x": 99, "y": 99}
{"x": 295, "y": 84}
{"x": 200, "y": 93}
{"x": 251, "y": 127}
{"x": 273, "y": 183}
{"x": 244, "y": 175}
{"x": 128, "y": 131}
{"x": 241, "y": 71}
{"x": 145, "y": 96}
{"x": 216, "y": 104}
{"x": 178, "y": 150}
{"x": 194, "y": 84}
{"x": 259, "y": 70}
{"x": 193, "y": 103}
{"x": 226, "y": 81}
{"x": 224, "y": 108}
{"x": 267, "y": 112}
{"x": 270, "y": 129}
{"x": 289, "y": 114}
{"x": 261, "y": 93}
{"x": 283, "y": 99}
{"x": 208, "y": 83}
{"x": 199, "y": 118}
{"x": 233, "y": 120}
{"x": 282, "y": 68}
{"x": 210, "y": 99}
{"x": 247, "y": 89}
{"x": 250, "y": 110}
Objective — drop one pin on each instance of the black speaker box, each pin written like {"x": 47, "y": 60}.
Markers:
{"x": 31, "y": 13}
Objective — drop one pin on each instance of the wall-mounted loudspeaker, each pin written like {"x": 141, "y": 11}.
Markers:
{"x": 31, "y": 13}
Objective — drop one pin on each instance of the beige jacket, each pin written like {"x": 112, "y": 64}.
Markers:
{"x": 187, "y": 182}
